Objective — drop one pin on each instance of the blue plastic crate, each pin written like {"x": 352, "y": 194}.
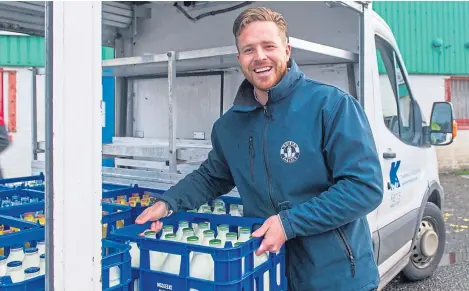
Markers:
{"x": 138, "y": 209}
{"x": 29, "y": 232}
{"x": 35, "y": 182}
{"x": 114, "y": 255}
{"x": 116, "y": 213}
{"x": 228, "y": 261}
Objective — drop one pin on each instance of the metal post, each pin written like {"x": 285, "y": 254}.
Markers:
{"x": 34, "y": 113}
{"x": 77, "y": 145}
{"x": 49, "y": 178}
{"x": 172, "y": 112}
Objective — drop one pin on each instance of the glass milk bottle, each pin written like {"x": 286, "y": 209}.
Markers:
{"x": 187, "y": 232}
{"x": 214, "y": 243}
{"x": 3, "y": 266}
{"x": 231, "y": 237}
{"x": 222, "y": 230}
{"x": 208, "y": 236}
{"x": 182, "y": 224}
{"x": 41, "y": 246}
{"x": 31, "y": 258}
{"x": 31, "y": 272}
{"x": 172, "y": 263}
{"x": 134, "y": 254}
{"x": 244, "y": 234}
{"x": 201, "y": 265}
{"x": 114, "y": 276}
{"x": 219, "y": 211}
{"x": 234, "y": 210}
{"x": 42, "y": 264}
{"x": 16, "y": 254}
{"x": 203, "y": 226}
{"x": 157, "y": 258}
{"x": 15, "y": 271}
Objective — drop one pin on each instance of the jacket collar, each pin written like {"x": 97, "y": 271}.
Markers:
{"x": 245, "y": 100}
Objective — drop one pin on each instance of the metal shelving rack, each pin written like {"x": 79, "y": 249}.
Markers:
{"x": 202, "y": 60}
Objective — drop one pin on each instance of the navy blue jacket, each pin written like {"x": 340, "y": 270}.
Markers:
{"x": 309, "y": 156}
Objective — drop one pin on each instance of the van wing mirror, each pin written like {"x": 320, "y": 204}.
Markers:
{"x": 442, "y": 125}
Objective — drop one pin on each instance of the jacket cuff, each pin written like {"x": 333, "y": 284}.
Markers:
{"x": 170, "y": 202}
{"x": 287, "y": 227}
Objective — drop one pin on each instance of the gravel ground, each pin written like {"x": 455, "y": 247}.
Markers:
{"x": 453, "y": 273}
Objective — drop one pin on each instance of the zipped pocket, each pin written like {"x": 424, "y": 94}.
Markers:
{"x": 348, "y": 250}
{"x": 252, "y": 155}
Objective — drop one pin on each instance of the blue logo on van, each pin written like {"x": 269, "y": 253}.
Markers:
{"x": 393, "y": 179}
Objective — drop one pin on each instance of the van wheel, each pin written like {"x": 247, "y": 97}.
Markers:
{"x": 429, "y": 245}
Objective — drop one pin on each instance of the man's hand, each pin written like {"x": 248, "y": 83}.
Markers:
{"x": 274, "y": 235}
{"x": 153, "y": 213}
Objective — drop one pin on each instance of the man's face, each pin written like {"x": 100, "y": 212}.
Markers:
{"x": 263, "y": 54}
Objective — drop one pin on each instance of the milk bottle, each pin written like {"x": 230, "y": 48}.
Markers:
{"x": 31, "y": 272}
{"x": 222, "y": 230}
{"x": 134, "y": 254}
{"x": 31, "y": 258}
{"x": 42, "y": 264}
{"x": 234, "y": 210}
{"x": 244, "y": 234}
{"x": 201, "y": 265}
{"x": 157, "y": 258}
{"x": 182, "y": 224}
{"x": 3, "y": 266}
{"x": 15, "y": 271}
{"x": 203, "y": 226}
{"x": 231, "y": 237}
{"x": 208, "y": 236}
{"x": 172, "y": 263}
{"x": 187, "y": 232}
{"x": 41, "y": 246}
{"x": 16, "y": 254}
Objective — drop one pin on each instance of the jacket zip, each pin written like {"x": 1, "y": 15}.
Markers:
{"x": 348, "y": 250}
{"x": 252, "y": 155}
{"x": 266, "y": 116}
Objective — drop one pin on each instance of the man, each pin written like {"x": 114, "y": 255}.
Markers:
{"x": 301, "y": 154}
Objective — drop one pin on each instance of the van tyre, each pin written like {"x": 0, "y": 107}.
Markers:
{"x": 429, "y": 245}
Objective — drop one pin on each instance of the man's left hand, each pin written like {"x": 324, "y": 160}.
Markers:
{"x": 274, "y": 235}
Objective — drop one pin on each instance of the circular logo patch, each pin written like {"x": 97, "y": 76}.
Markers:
{"x": 289, "y": 152}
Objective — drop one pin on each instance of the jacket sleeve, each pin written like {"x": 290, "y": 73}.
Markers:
{"x": 351, "y": 156}
{"x": 213, "y": 178}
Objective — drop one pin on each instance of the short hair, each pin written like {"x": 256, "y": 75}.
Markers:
{"x": 259, "y": 14}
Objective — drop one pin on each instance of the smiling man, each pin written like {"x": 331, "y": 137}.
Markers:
{"x": 301, "y": 154}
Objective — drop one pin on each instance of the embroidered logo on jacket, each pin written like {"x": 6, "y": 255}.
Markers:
{"x": 289, "y": 152}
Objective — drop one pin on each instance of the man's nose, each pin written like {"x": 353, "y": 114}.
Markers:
{"x": 260, "y": 55}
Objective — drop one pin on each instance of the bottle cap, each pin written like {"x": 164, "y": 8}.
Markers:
{"x": 32, "y": 270}
{"x": 193, "y": 239}
{"x": 31, "y": 250}
{"x": 14, "y": 264}
{"x": 214, "y": 242}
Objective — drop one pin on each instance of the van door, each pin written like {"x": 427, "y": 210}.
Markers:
{"x": 402, "y": 157}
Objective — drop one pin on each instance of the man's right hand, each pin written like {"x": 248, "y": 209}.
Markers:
{"x": 153, "y": 213}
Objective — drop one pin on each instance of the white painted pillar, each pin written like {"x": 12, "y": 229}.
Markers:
{"x": 77, "y": 145}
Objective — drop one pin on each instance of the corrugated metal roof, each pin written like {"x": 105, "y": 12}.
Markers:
{"x": 29, "y": 51}
{"x": 416, "y": 25}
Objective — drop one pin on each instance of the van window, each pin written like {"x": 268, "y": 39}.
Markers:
{"x": 395, "y": 94}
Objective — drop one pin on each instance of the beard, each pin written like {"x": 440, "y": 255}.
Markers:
{"x": 265, "y": 81}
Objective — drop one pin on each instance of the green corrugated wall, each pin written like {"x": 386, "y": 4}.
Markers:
{"x": 416, "y": 25}
{"x": 29, "y": 51}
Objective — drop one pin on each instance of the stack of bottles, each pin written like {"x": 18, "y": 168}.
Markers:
{"x": 35, "y": 217}
{"x": 23, "y": 263}
{"x": 135, "y": 200}
{"x": 201, "y": 264}
{"x": 219, "y": 207}
{"x": 17, "y": 200}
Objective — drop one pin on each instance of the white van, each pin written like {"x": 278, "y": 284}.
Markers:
{"x": 345, "y": 44}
